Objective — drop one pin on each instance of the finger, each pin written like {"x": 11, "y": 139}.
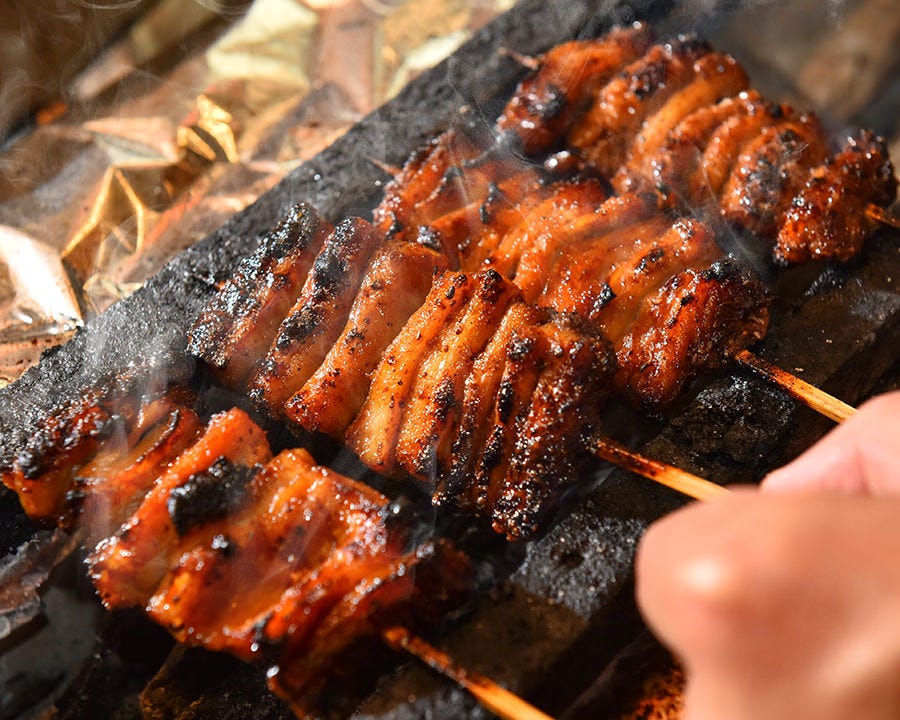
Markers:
{"x": 861, "y": 455}
{"x": 778, "y": 606}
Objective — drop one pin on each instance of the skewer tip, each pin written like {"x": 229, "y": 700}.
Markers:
{"x": 526, "y": 61}
{"x": 817, "y": 399}
{"x": 492, "y": 696}
{"x": 880, "y": 215}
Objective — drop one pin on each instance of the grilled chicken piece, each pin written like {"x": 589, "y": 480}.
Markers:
{"x": 394, "y": 287}
{"x": 120, "y": 475}
{"x": 44, "y": 469}
{"x": 318, "y": 316}
{"x": 473, "y": 232}
{"x": 465, "y": 381}
{"x": 433, "y": 405}
{"x": 236, "y": 328}
{"x": 420, "y": 178}
{"x": 696, "y": 321}
{"x": 415, "y": 590}
{"x": 548, "y": 448}
{"x": 830, "y": 216}
{"x": 546, "y": 102}
{"x": 290, "y": 563}
{"x": 568, "y": 203}
{"x": 607, "y": 131}
{"x": 373, "y": 434}
{"x": 636, "y": 261}
{"x": 552, "y": 236}
{"x": 716, "y": 76}
{"x": 546, "y": 379}
{"x": 770, "y": 170}
{"x": 113, "y": 414}
{"x": 127, "y": 567}
{"x": 295, "y": 525}
{"x": 455, "y": 487}
{"x": 681, "y": 170}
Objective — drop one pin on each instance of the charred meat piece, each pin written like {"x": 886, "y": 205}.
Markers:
{"x": 394, "y": 287}
{"x": 681, "y": 171}
{"x": 472, "y": 233}
{"x": 45, "y": 468}
{"x": 551, "y": 237}
{"x": 454, "y": 487}
{"x": 771, "y": 169}
{"x": 716, "y": 76}
{"x": 606, "y": 132}
{"x": 317, "y": 318}
{"x": 545, "y": 103}
{"x": 569, "y": 202}
{"x": 112, "y": 415}
{"x": 414, "y": 590}
{"x": 291, "y": 564}
{"x": 464, "y": 383}
{"x": 294, "y": 523}
{"x": 120, "y": 475}
{"x": 636, "y": 261}
{"x": 830, "y": 216}
{"x": 431, "y": 168}
{"x": 548, "y": 448}
{"x": 433, "y": 406}
{"x": 127, "y": 566}
{"x": 373, "y": 434}
{"x": 236, "y": 327}
{"x": 696, "y": 321}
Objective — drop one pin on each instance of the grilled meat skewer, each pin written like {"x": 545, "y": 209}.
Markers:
{"x": 679, "y": 120}
{"x": 273, "y": 559}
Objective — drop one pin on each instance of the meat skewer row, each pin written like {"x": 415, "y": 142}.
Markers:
{"x": 272, "y": 559}
{"x": 475, "y": 389}
{"x": 680, "y": 120}
{"x": 491, "y": 231}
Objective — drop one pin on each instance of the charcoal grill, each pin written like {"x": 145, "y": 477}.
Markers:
{"x": 549, "y": 627}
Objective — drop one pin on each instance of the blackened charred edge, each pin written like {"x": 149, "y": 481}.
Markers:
{"x": 294, "y": 231}
{"x": 330, "y": 267}
{"x": 299, "y": 326}
{"x": 238, "y": 298}
{"x": 209, "y": 495}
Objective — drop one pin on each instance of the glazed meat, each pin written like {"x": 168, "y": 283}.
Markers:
{"x": 316, "y": 319}
{"x": 47, "y": 472}
{"x": 608, "y": 129}
{"x": 238, "y": 326}
{"x": 128, "y": 565}
{"x": 272, "y": 559}
{"x": 830, "y": 216}
{"x": 679, "y": 121}
{"x": 118, "y": 477}
{"x": 770, "y": 170}
{"x": 394, "y": 287}
{"x": 696, "y": 321}
{"x": 546, "y": 103}
{"x": 469, "y": 385}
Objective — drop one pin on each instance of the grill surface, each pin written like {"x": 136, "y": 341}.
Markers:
{"x": 548, "y": 629}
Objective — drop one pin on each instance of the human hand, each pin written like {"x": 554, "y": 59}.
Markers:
{"x": 787, "y": 605}
{"x": 861, "y": 455}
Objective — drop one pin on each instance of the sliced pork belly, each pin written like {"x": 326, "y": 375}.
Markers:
{"x": 317, "y": 317}
{"x": 236, "y": 328}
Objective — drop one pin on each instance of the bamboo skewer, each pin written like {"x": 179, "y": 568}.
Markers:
{"x": 492, "y": 696}
{"x": 879, "y": 214}
{"x": 817, "y": 399}
{"x": 663, "y": 473}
